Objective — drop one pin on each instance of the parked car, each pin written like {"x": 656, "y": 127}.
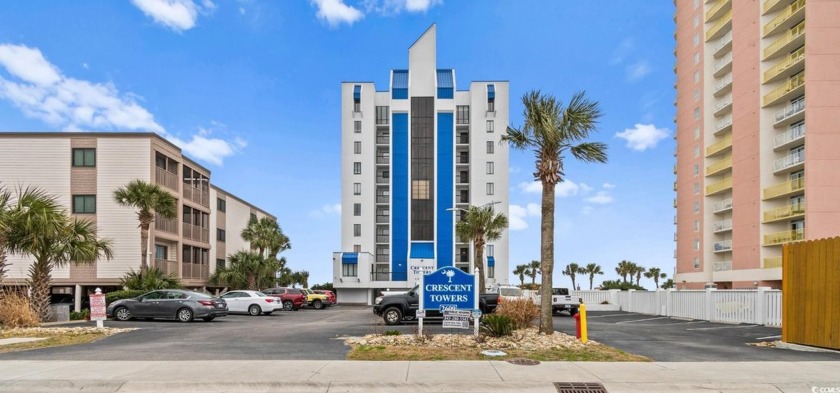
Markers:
{"x": 329, "y": 294}
{"x": 397, "y": 308}
{"x": 252, "y": 302}
{"x": 561, "y": 300}
{"x": 169, "y": 304}
{"x": 315, "y": 300}
{"x": 291, "y": 298}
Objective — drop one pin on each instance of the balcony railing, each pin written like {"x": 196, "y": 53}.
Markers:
{"x": 719, "y": 25}
{"x": 382, "y": 238}
{"x": 196, "y": 233}
{"x": 464, "y": 159}
{"x": 785, "y": 212}
{"x": 380, "y": 276}
{"x": 723, "y": 225}
{"x": 720, "y": 186}
{"x": 382, "y": 180}
{"x": 789, "y": 161}
{"x": 723, "y": 102}
{"x": 721, "y": 206}
{"x": 713, "y": 12}
{"x": 723, "y": 62}
{"x": 196, "y": 195}
{"x": 790, "y": 110}
{"x": 721, "y": 83}
{"x": 382, "y": 219}
{"x": 789, "y": 136}
{"x": 784, "y": 15}
{"x": 723, "y": 246}
{"x": 772, "y": 262}
{"x": 166, "y": 266}
{"x": 166, "y": 178}
{"x": 719, "y": 146}
{"x": 784, "y": 40}
{"x": 770, "y": 4}
{"x": 723, "y": 41}
{"x": 463, "y": 139}
{"x": 166, "y": 224}
{"x": 788, "y": 62}
{"x": 195, "y": 271}
{"x": 784, "y": 237}
{"x": 723, "y": 266}
{"x": 785, "y": 188}
{"x": 382, "y": 199}
{"x": 789, "y": 86}
{"x": 723, "y": 123}
{"x": 383, "y": 139}
{"x": 722, "y": 165}
{"x": 383, "y": 160}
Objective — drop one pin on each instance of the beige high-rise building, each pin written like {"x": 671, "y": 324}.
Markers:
{"x": 82, "y": 170}
{"x": 752, "y": 77}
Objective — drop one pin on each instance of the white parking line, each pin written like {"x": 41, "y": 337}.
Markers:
{"x": 687, "y": 322}
{"x": 768, "y": 337}
{"x": 608, "y": 315}
{"x": 640, "y": 320}
{"x": 726, "y": 327}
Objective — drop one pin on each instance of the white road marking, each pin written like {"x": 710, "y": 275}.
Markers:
{"x": 609, "y": 315}
{"x": 687, "y": 323}
{"x": 640, "y": 320}
{"x": 768, "y": 337}
{"x": 726, "y": 327}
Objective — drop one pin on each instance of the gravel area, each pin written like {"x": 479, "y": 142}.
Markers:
{"x": 528, "y": 339}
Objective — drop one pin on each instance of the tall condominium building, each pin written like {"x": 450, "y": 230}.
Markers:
{"x": 82, "y": 170}
{"x": 752, "y": 77}
{"x": 414, "y": 157}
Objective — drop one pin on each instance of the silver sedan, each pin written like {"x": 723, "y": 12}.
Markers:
{"x": 169, "y": 304}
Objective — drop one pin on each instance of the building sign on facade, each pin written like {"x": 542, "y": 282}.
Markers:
{"x": 417, "y": 268}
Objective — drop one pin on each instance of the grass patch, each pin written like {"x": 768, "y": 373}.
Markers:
{"x": 57, "y": 338}
{"x": 592, "y": 353}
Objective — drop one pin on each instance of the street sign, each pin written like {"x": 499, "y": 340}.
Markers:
{"x": 476, "y": 314}
{"x": 457, "y": 319}
{"x": 97, "y": 307}
{"x": 449, "y": 288}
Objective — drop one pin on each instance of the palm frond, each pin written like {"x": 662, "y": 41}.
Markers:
{"x": 590, "y": 152}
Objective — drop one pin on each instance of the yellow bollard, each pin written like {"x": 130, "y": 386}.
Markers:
{"x": 582, "y": 311}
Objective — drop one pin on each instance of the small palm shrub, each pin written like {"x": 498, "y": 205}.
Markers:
{"x": 153, "y": 279}
{"x": 16, "y": 312}
{"x": 80, "y": 316}
{"x": 392, "y": 332}
{"x": 496, "y": 325}
{"x": 522, "y": 311}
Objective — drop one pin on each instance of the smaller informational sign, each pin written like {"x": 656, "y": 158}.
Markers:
{"x": 456, "y": 319}
{"x": 421, "y": 314}
{"x": 476, "y": 314}
{"x": 97, "y": 307}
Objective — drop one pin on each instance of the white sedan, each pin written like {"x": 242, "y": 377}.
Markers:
{"x": 251, "y": 302}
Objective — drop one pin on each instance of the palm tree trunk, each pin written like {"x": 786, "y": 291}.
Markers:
{"x": 144, "y": 247}
{"x": 2, "y": 262}
{"x": 478, "y": 263}
{"x": 591, "y": 278}
{"x": 547, "y": 257}
{"x": 39, "y": 286}
{"x": 252, "y": 282}
{"x": 574, "y": 287}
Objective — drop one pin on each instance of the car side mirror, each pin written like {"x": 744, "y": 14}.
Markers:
{"x": 411, "y": 293}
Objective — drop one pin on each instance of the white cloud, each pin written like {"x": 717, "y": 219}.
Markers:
{"x": 392, "y": 7}
{"x": 608, "y": 186}
{"x": 335, "y": 12}
{"x": 533, "y": 187}
{"x": 601, "y": 198}
{"x": 40, "y": 91}
{"x": 586, "y": 210}
{"x": 585, "y": 188}
{"x": 564, "y": 189}
{"x": 638, "y": 70}
{"x": 624, "y": 49}
{"x": 178, "y": 15}
{"x": 643, "y": 136}
{"x": 518, "y": 214}
{"x": 327, "y": 210}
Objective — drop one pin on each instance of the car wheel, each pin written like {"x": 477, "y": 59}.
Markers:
{"x": 185, "y": 315}
{"x": 254, "y": 310}
{"x": 268, "y": 313}
{"x": 318, "y": 305}
{"x": 288, "y": 305}
{"x": 208, "y": 319}
{"x": 392, "y": 316}
{"x": 122, "y": 314}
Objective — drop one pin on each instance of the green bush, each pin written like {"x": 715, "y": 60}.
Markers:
{"x": 114, "y": 296}
{"x": 80, "y": 316}
{"x": 392, "y": 333}
{"x": 496, "y": 325}
{"x": 153, "y": 279}
{"x": 618, "y": 284}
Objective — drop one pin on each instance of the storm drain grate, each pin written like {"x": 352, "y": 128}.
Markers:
{"x": 523, "y": 362}
{"x": 579, "y": 387}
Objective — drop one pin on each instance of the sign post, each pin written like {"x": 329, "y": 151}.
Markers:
{"x": 453, "y": 293}
{"x": 97, "y": 308}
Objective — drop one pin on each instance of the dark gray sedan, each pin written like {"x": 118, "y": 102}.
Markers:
{"x": 169, "y": 304}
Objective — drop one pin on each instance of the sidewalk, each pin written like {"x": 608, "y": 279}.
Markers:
{"x": 402, "y": 376}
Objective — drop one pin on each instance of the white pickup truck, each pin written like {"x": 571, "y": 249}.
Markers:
{"x": 562, "y": 300}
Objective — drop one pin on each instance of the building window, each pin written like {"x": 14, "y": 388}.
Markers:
{"x": 357, "y": 98}
{"x": 84, "y": 204}
{"x": 350, "y": 269}
{"x": 490, "y": 126}
{"x": 357, "y": 126}
{"x": 357, "y": 209}
{"x": 382, "y": 115}
{"x": 357, "y": 147}
{"x": 696, "y": 113}
{"x": 489, "y": 147}
{"x": 696, "y": 244}
{"x": 221, "y": 205}
{"x": 220, "y": 263}
{"x": 357, "y": 188}
{"x": 161, "y": 252}
{"x": 357, "y": 248}
{"x": 419, "y": 189}
{"x": 84, "y": 157}
{"x": 696, "y": 76}
{"x": 696, "y": 21}
{"x": 696, "y": 207}
{"x": 696, "y": 57}
{"x": 491, "y": 98}
{"x": 491, "y": 272}
{"x": 696, "y": 132}
{"x": 462, "y": 114}
{"x": 357, "y": 230}
{"x": 696, "y": 151}
{"x": 696, "y": 225}
{"x": 696, "y": 263}
{"x": 220, "y": 234}
{"x": 357, "y": 168}
{"x": 490, "y": 188}
{"x": 696, "y": 95}
{"x": 490, "y": 168}
{"x": 696, "y": 169}
{"x": 696, "y": 39}
{"x": 253, "y": 217}
{"x": 696, "y": 188}
{"x": 490, "y": 249}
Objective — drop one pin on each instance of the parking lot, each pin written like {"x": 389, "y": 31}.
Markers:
{"x": 317, "y": 335}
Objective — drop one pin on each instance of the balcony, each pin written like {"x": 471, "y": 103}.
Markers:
{"x": 724, "y": 164}
{"x": 792, "y": 39}
{"x": 380, "y": 275}
{"x": 784, "y": 189}
{"x": 790, "y": 163}
{"x": 382, "y": 238}
{"x": 723, "y": 125}
{"x": 772, "y": 262}
{"x": 723, "y": 266}
{"x": 719, "y": 187}
{"x": 463, "y": 139}
{"x": 463, "y": 159}
{"x": 796, "y": 210}
{"x": 717, "y": 29}
{"x": 722, "y": 226}
{"x": 196, "y": 195}
{"x": 773, "y": 6}
{"x": 196, "y": 233}
{"x": 195, "y": 271}
{"x": 169, "y": 225}
{"x": 383, "y": 219}
{"x": 720, "y": 146}
{"x": 722, "y": 85}
{"x": 383, "y": 180}
{"x": 383, "y": 138}
{"x": 788, "y": 66}
{"x": 166, "y": 266}
{"x": 722, "y": 206}
{"x": 383, "y": 160}
{"x": 723, "y": 64}
{"x": 778, "y": 238}
{"x": 166, "y": 178}
{"x": 718, "y": 9}
{"x": 791, "y": 112}
{"x": 723, "y": 103}
{"x": 795, "y": 86}
{"x": 786, "y": 18}
{"x": 723, "y": 246}
{"x": 789, "y": 138}
{"x": 724, "y": 43}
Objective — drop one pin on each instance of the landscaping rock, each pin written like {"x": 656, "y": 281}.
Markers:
{"x": 528, "y": 339}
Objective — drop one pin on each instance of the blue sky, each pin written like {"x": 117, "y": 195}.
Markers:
{"x": 251, "y": 90}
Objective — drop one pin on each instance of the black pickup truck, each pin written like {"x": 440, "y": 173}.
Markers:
{"x": 402, "y": 307}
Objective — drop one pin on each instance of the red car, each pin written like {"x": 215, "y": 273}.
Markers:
{"x": 292, "y": 298}
{"x": 330, "y": 295}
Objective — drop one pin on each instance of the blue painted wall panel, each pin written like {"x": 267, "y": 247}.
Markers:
{"x": 422, "y": 250}
{"x": 445, "y": 185}
{"x": 399, "y": 196}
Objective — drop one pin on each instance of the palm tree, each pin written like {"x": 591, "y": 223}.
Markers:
{"x": 592, "y": 269}
{"x": 304, "y": 278}
{"x": 533, "y": 270}
{"x": 638, "y": 270}
{"x": 668, "y": 284}
{"x": 148, "y": 199}
{"x": 5, "y": 217}
{"x": 264, "y": 234}
{"x": 520, "y": 271}
{"x": 552, "y": 131}
{"x": 572, "y": 270}
{"x": 42, "y": 229}
{"x": 246, "y": 269}
{"x": 480, "y": 225}
{"x": 655, "y": 274}
{"x": 624, "y": 269}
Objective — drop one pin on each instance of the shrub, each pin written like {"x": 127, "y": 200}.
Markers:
{"x": 114, "y": 296}
{"x": 16, "y": 312}
{"x": 618, "y": 284}
{"x": 521, "y": 311}
{"x": 497, "y": 325}
{"x": 153, "y": 279}
{"x": 80, "y": 316}
{"x": 392, "y": 333}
